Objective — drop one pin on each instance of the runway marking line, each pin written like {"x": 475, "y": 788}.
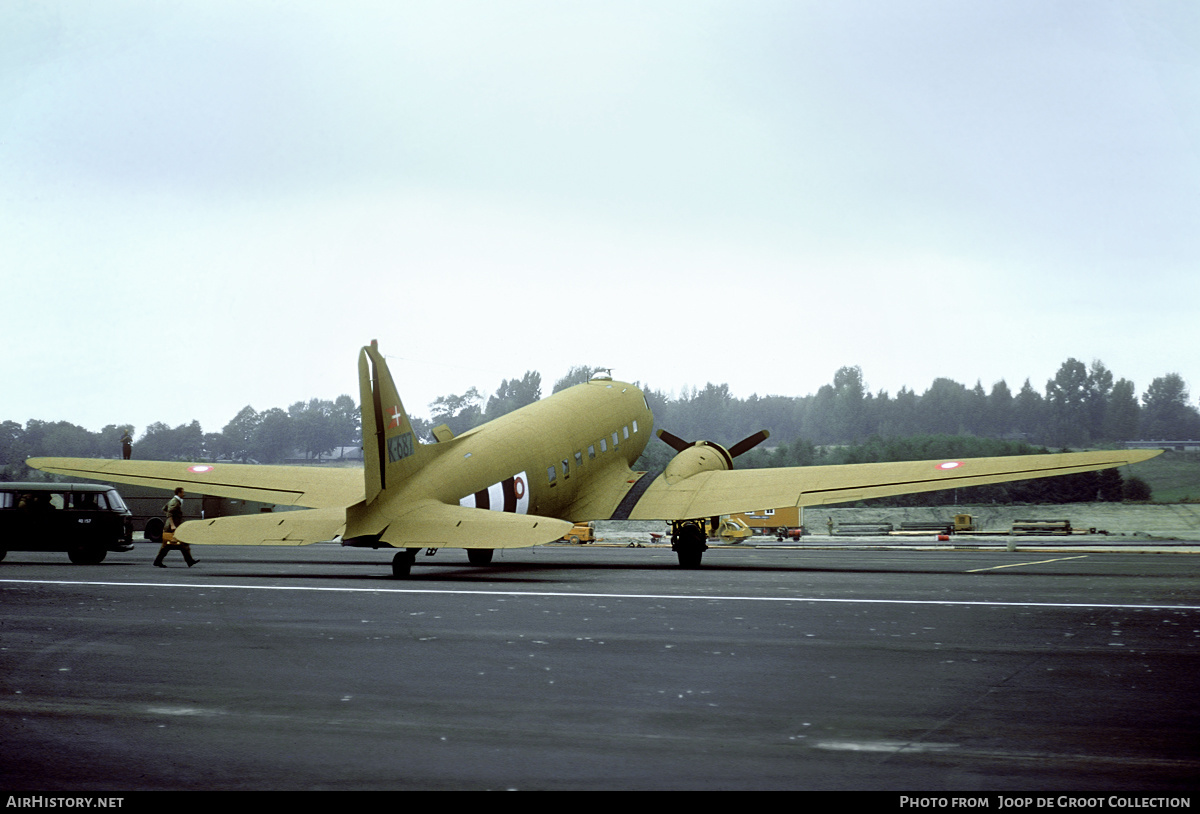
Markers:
{"x": 693, "y": 597}
{"x": 1020, "y": 564}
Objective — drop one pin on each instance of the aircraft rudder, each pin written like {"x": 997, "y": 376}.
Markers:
{"x": 372, "y": 429}
{"x": 395, "y": 450}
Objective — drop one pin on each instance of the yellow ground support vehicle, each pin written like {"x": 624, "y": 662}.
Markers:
{"x": 729, "y": 529}
{"x": 580, "y": 533}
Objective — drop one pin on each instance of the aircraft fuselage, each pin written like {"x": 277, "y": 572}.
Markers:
{"x": 538, "y": 459}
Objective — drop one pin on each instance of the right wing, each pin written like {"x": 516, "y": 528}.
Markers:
{"x": 312, "y": 486}
{"x": 712, "y": 493}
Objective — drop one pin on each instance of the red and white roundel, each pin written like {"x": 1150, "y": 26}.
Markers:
{"x": 950, "y": 465}
{"x": 200, "y": 469}
{"x": 519, "y": 487}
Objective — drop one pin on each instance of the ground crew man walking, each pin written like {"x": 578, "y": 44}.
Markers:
{"x": 174, "y": 510}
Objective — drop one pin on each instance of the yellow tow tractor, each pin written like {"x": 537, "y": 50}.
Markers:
{"x": 729, "y": 529}
{"x": 579, "y": 534}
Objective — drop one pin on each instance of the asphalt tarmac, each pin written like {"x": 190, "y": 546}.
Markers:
{"x": 598, "y": 667}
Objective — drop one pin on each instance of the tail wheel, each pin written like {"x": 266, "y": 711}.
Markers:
{"x": 402, "y": 563}
{"x": 480, "y": 556}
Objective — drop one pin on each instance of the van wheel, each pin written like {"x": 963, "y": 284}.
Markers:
{"x": 87, "y": 556}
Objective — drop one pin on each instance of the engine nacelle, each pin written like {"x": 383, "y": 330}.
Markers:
{"x": 703, "y": 456}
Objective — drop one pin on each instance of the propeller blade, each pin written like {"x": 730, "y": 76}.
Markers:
{"x": 748, "y": 443}
{"x": 674, "y": 441}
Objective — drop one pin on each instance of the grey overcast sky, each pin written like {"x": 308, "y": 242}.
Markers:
{"x": 205, "y": 205}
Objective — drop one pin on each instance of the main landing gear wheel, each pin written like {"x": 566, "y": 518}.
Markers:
{"x": 154, "y": 529}
{"x": 480, "y": 556}
{"x": 689, "y": 543}
{"x": 402, "y": 563}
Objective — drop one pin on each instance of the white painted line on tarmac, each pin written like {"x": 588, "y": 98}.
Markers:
{"x": 1019, "y": 564}
{"x": 690, "y": 597}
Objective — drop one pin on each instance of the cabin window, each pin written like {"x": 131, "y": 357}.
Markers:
{"x": 635, "y": 425}
{"x": 591, "y": 450}
{"x": 614, "y": 440}
{"x": 551, "y": 474}
{"x": 566, "y": 471}
{"x": 603, "y": 445}
{"x": 625, "y": 429}
{"x": 578, "y": 459}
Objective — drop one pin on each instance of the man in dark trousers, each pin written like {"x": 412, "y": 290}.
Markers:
{"x": 174, "y": 510}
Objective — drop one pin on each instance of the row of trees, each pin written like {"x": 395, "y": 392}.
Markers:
{"x": 309, "y": 429}
{"x": 1080, "y": 406}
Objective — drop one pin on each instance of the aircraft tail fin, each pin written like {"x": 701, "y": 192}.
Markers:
{"x": 391, "y": 452}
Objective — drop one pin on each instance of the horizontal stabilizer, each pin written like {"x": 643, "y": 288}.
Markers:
{"x": 311, "y": 486}
{"x": 272, "y": 528}
{"x": 440, "y": 525}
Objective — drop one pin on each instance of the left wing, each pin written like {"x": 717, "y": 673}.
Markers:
{"x": 707, "y": 494}
{"x": 312, "y": 486}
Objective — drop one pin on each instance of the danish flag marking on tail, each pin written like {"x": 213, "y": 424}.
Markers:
{"x": 397, "y": 417}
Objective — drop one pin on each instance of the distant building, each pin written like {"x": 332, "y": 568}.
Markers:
{"x": 1178, "y": 446}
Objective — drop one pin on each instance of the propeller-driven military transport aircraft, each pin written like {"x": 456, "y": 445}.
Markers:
{"x": 524, "y": 478}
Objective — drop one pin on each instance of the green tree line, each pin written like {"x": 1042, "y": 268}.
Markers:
{"x": 1081, "y": 406}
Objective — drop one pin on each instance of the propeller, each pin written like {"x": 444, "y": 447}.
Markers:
{"x": 745, "y": 445}
{"x": 748, "y": 443}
